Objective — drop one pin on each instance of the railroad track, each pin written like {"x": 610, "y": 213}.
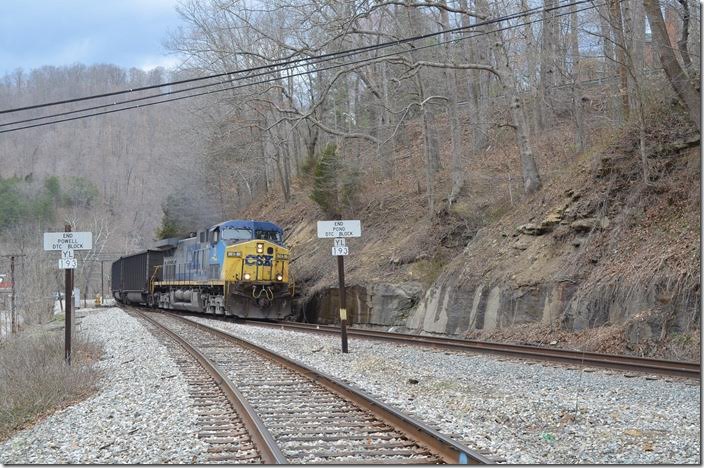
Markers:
{"x": 232, "y": 431}
{"x": 579, "y": 358}
{"x": 301, "y": 415}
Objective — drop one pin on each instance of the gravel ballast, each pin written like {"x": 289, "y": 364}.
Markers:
{"x": 141, "y": 412}
{"x": 517, "y": 411}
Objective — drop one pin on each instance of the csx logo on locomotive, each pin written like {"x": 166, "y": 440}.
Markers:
{"x": 259, "y": 260}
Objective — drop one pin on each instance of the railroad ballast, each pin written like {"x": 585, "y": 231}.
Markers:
{"x": 238, "y": 267}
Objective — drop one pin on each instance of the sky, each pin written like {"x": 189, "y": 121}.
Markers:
{"x": 127, "y": 33}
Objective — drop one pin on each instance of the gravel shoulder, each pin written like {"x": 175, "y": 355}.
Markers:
{"x": 522, "y": 412}
{"x": 141, "y": 413}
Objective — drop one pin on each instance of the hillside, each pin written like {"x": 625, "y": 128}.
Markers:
{"x": 595, "y": 260}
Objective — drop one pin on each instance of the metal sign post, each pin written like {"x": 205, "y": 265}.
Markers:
{"x": 338, "y": 231}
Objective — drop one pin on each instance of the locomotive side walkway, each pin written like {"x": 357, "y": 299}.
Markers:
{"x": 141, "y": 413}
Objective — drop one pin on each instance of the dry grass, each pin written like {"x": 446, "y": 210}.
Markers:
{"x": 35, "y": 381}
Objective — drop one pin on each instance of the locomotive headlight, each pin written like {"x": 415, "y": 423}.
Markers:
{"x": 279, "y": 277}
{"x": 260, "y": 247}
{"x": 247, "y": 276}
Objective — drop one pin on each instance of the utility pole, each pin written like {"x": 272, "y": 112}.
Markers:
{"x": 102, "y": 296}
{"x": 14, "y": 322}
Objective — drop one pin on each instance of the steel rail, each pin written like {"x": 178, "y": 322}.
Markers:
{"x": 268, "y": 449}
{"x": 449, "y": 450}
{"x": 612, "y": 361}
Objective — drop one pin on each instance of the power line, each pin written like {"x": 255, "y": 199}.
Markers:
{"x": 361, "y": 61}
{"x": 313, "y": 58}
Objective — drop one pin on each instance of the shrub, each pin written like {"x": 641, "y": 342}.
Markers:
{"x": 34, "y": 379}
{"x": 335, "y": 186}
{"x": 80, "y": 192}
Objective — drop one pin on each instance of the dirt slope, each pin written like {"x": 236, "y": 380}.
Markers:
{"x": 595, "y": 248}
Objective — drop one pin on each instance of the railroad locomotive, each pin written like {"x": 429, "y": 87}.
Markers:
{"x": 238, "y": 268}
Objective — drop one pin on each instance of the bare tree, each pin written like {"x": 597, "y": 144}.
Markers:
{"x": 675, "y": 73}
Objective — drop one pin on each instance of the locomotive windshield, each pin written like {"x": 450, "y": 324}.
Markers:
{"x": 268, "y": 235}
{"x": 236, "y": 235}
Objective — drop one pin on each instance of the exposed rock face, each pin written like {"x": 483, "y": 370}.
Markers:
{"x": 456, "y": 307}
{"x": 378, "y": 304}
{"x": 391, "y": 304}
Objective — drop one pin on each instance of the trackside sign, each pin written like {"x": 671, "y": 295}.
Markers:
{"x": 346, "y": 228}
{"x": 68, "y": 240}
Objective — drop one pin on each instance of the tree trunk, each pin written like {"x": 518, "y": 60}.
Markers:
{"x": 617, "y": 26}
{"x": 684, "y": 37}
{"x": 675, "y": 74}
{"x": 453, "y": 115}
{"x": 531, "y": 177}
{"x": 577, "y": 103}
{"x": 548, "y": 57}
{"x": 610, "y": 67}
{"x": 383, "y": 151}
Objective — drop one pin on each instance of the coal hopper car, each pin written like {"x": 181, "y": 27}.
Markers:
{"x": 132, "y": 276}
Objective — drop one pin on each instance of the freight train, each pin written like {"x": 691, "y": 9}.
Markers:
{"x": 236, "y": 268}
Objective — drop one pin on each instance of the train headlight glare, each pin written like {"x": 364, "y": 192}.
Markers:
{"x": 279, "y": 277}
{"x": 247, "y": 276}
{"x": 260, "y": 247}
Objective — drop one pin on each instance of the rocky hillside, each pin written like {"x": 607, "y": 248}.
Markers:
{"x": 596, "y": 260}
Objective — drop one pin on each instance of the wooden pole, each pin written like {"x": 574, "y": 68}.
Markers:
{"x": 343, "y": 301}
{"x": 102, "y": 293}
{"x": 13, "y": 312}
{"x": 68, "y": 296}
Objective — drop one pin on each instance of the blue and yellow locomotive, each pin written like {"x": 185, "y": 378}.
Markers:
{"x": 237, "y": 267}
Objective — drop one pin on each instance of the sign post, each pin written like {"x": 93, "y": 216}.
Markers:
{"x": 68, "y": 283}
{"x": 67, "y": 242}
{"x": 338, "y": 231}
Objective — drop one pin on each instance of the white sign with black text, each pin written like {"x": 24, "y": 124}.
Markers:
{"x": 340, "y": 228}
{"x": 68, "y": 240}
{"x": 68, "y": 264}
{"x": 340, "y": 250}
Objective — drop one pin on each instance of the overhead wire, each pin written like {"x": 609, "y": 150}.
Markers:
{"x": 316, "y": 70}
{"x": 329, "y": 55}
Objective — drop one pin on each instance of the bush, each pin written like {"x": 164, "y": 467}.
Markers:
{"x": 325, "y": 182}
{"x": 335, "y": 186}
{"x": 34, "y": 379}
{"x": 80, "y": 192}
